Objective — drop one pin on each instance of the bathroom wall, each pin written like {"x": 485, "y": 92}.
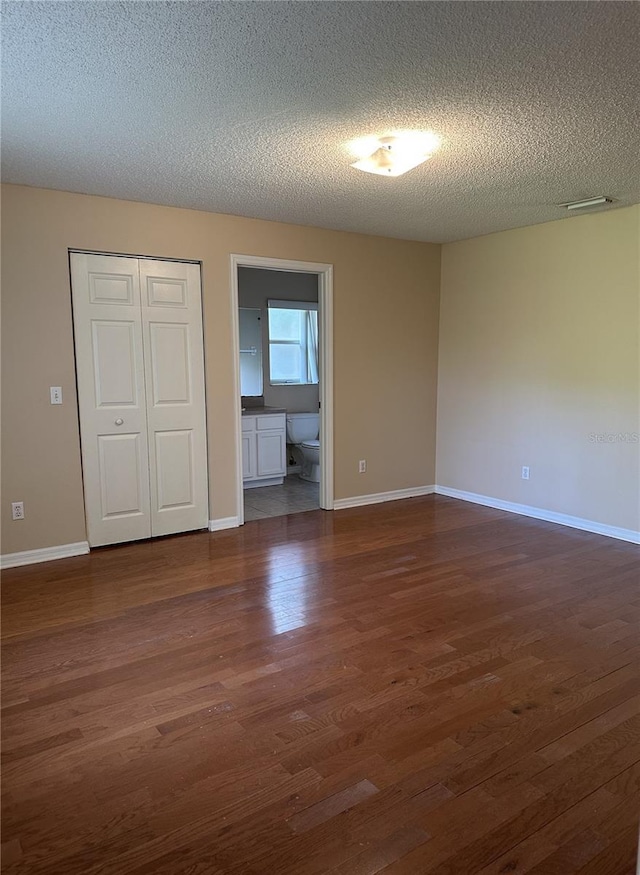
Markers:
{"x": 255, "y": 287}
{"x": 386, "y": 294}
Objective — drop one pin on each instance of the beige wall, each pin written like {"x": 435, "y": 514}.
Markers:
{"x": 255, "y": 287}
{"x": 386, "y": 296}
{"x": 539, "y": 350}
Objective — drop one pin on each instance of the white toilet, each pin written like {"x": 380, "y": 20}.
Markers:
{"x": 302, "y": 431}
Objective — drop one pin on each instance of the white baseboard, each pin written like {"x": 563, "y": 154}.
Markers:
{"x": 379, "y": 497}
{"x": 539, "y": 513}
{"x": 45, "y": 554}
{"x": 81, "y": 548}
{"x": 228, "y": 522}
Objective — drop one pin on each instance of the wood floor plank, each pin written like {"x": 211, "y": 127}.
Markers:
{"x": 536, "y": 849}
{"x": 422, "y": 687}
{"x": 331, "y": 806}
{"x": 619, "y": 857}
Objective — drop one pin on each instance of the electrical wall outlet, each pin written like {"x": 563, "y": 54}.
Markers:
{"x": 362, "y": 466}
{"x": 17, "y": 510}
{"x": 525, "y": 472}
{"x": 56, "y": 394}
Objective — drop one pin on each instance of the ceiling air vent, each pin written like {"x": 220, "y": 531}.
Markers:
{"x": 588, "y": 202}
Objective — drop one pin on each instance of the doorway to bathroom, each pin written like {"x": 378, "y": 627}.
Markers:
{"x": 283, "y": 344}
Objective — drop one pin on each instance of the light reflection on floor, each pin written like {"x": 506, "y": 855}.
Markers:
{"x": 287, "y": 586}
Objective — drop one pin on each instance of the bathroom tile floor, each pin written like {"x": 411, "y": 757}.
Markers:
{"x": 294, "y": 496}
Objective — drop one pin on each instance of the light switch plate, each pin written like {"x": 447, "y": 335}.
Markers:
{"x": 56, "y": 394}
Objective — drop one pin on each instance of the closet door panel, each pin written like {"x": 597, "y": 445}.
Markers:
{"x": 114, "y": 363}
{"x": 170, "y": 359}
{"x": 111, "y": 396}
{"x": 174, "y": 377}
{"x": 121, "y": 474}
{"x": 176, "y": 477}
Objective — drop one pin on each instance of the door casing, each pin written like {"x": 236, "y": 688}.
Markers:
{"x": 324, "y": 273}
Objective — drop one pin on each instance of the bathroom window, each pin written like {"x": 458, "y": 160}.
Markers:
{"x": 293, "y": 342}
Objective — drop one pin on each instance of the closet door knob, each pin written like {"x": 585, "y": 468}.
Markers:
{"x": 119, "y": 421}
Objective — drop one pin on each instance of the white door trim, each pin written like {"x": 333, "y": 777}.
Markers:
{"x": 325, "y": 315}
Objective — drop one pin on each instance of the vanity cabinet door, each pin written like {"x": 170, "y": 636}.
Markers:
{"x": 249, "y": 455}
{"x": 271, "y": 452}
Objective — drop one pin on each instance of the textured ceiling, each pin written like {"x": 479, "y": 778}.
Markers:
{"x": 245, "y": 107}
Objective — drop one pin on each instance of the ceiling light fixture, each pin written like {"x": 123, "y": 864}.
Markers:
{"x": 589, "y": 202}
{"x": 394, "y": 154}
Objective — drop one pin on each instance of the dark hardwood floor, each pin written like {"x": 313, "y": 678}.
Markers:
{"x": 424, "y": 686}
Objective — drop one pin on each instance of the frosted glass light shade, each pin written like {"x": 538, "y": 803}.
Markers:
{"x": 396, "y": 154}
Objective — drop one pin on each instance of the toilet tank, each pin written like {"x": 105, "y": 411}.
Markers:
{"x": 302, "y": 427}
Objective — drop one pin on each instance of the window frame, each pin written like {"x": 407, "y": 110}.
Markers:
{"x": 301, "y": 343}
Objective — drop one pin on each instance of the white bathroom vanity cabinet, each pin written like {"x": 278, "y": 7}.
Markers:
{"x": 264, "y": 447}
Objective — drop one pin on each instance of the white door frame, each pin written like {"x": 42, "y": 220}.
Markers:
{"x": 325, "y": 318}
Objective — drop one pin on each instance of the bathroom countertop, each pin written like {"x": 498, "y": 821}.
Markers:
{"x": 262, "y": 411}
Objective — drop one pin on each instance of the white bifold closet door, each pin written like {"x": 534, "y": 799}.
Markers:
{"x": 140, "y": 373}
